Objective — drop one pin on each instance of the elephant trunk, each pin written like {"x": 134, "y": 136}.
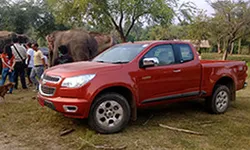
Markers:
{"x": 50, "y": 43}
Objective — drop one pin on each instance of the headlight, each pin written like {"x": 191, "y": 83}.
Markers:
{"x": 77, "y": 81}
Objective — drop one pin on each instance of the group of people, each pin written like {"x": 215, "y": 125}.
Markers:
{"x": 18, "y": 59}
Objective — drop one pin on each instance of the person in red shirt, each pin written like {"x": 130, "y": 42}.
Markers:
{"x": 8, "y": 63}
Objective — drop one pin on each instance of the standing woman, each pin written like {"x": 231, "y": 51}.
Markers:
{"x": 8, "y": 63}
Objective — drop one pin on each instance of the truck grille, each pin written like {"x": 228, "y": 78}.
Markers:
{"x": 51, "y": 78}
{"x": 46, "y": 90}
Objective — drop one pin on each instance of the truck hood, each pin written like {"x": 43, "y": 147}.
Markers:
{"x": 79, "y": 68}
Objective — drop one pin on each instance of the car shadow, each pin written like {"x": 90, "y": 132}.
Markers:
{"x": 159, "y": 113}
{"x": 186, "y": 111}
{"x": 174, "y": 110}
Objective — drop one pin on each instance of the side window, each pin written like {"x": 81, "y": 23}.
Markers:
{"x": 164, "y": 53}
{"x": 186, "y": 52}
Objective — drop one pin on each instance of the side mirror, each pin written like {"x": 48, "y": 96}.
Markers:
{"x": 150, "y": 62}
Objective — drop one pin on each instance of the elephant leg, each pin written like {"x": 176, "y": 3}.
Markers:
{"x": 50, "y": 58}
{"x": 92, "y": 47}
{"x": 55, "y": 56}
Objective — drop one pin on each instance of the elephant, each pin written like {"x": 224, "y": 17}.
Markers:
{"x": 82, "y": 45}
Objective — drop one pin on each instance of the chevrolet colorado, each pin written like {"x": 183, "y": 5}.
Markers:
{"x": 110, "y": 88}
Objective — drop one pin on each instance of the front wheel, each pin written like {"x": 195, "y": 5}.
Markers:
{"x": 220, "y": 100}
{"x": 109, "y": 113}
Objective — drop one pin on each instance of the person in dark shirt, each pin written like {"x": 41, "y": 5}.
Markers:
{"x": 64, "y": 57}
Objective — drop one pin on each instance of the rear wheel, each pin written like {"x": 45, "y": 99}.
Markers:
{"x": 109, "y": 113}
{"x": 220, "y": 100}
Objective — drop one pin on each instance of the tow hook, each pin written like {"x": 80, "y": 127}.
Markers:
{"x": 245, "y": 85}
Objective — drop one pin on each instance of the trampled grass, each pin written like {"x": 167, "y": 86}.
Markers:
{"x": 24, "y": 124}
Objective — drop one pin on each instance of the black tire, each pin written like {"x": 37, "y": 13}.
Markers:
{"x": 101, "y": 113}
{"x": 216, "y": 105}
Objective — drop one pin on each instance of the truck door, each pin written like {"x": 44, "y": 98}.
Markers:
{"x": 188, "y": 70}
{"x": 157, "y": 82}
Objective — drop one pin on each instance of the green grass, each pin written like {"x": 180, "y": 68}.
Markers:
{"x": 230, "y": 57}
{"x": 24, "y": 124}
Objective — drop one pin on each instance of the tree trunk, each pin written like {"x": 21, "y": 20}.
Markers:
{"x": 229, "y": 45}
{"x": 239, "y": 46}
{"x": 225, "y": 55}
{"x": 232, "y": 48}
{"x": 123, "y": 38}
{"x": 218, "y": 47}
{"x": 121, "y": 33}
{"x": 224, "y": 45}
{"x": 198, "y": 45}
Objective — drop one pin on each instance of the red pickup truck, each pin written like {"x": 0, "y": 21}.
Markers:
{"x": 110, "y": 88}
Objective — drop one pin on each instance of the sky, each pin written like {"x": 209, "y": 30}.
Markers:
{"x": 202, "y": 4}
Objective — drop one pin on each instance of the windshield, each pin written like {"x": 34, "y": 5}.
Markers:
{"x": 120, "y": 53}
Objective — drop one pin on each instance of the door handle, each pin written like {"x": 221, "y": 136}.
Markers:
{"x": 177, "y": 70}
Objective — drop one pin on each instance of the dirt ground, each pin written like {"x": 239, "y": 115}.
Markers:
{"x": 25, "y": 125}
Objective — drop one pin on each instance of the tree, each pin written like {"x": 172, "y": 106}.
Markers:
{"x": 167, "y": 33}
{"x": 13, "y": 17}
{"x": 216, "y": 32}
{"x": 235, "y": 19}
{"x": 198, "y": 29}
{"x": 30, "y": 17}
{"x": 114, "y": 13}
{"x": 184, "y": 12}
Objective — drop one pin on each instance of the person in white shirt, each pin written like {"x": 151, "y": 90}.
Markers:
{"x": 29, "y": 61}
{"x": 20, "y": 54}
{"x": 46, "y": 59}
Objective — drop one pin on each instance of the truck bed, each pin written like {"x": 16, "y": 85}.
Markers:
{"x": 212, "y": 69}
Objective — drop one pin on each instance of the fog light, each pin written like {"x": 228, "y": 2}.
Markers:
{"x": 70, "y": 108}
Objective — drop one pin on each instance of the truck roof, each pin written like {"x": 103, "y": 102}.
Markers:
{"x": 157, "y": 41}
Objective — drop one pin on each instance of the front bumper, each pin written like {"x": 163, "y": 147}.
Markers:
{"x": 70, "y": 107}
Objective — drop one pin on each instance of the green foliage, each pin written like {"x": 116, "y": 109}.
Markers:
{"x": 14, "y": 17}
{"x": 198, "y": 29}
{"x": 158, "y": 33}
{"x": 184, "y": 11}
{"x": 232, "y": 18}
{"x": 28, "y": 17}
{"x": 120, "y": 15}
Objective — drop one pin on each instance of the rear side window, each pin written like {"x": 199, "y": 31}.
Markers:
{"x": 186, "y": 53}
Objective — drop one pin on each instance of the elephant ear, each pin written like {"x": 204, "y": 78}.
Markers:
{"x": 104, "y": 41}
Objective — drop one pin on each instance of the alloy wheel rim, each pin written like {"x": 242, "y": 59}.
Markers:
{"x": 221, "y": 101}
{"x": 109, "y": 113}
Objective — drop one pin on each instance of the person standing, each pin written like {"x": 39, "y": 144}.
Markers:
{"x": 29, "y": 61}
{"x": 8, "y": 63}
{"x": 19, "y": 68}
{"x": 39, "y": 66}
{"x": 64, "y": 56}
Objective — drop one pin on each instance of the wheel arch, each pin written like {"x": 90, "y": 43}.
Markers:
{"x": 229, "y": 82}
{"x": 124, "y": 91}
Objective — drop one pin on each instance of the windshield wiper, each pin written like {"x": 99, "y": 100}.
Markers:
{"x": 120, "y": 62}
{"x": 100, "y": 61}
